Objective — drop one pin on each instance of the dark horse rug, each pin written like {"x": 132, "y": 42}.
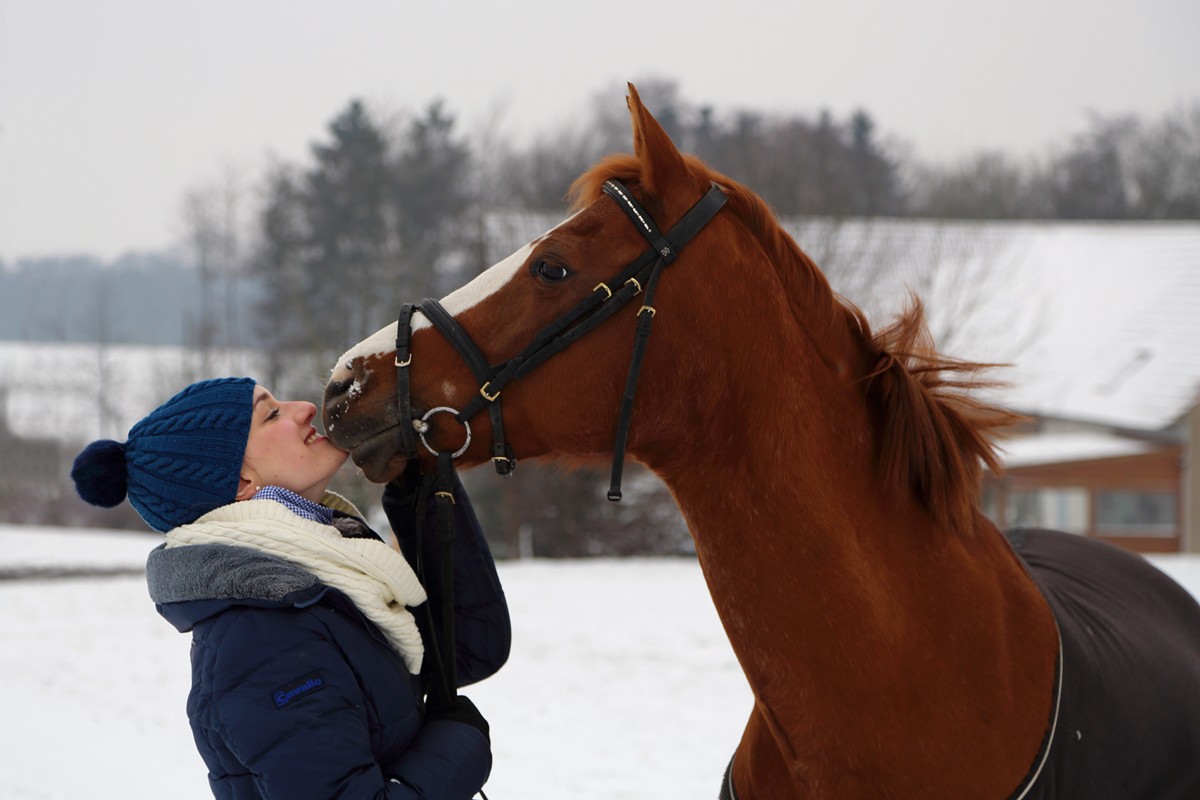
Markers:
{"x": 1129, "y": 720}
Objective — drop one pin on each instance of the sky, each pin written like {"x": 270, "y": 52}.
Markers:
{"x": 111, "y": 111}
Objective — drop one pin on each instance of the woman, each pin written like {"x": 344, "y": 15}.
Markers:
{"x": 307, "y": 676}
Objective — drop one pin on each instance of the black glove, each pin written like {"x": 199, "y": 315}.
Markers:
{"x": 462, "y": 710}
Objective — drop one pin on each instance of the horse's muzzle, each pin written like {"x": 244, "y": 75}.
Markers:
{"x": 344, "y": 427}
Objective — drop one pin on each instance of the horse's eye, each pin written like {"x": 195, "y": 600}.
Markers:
{"x": 548, "y": 270}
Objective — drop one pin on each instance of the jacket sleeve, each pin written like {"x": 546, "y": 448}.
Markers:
{"x": 483, "y": 632}
{"x": 287, "y": 706}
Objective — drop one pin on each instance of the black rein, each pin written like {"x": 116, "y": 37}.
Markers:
{"x": 641, "y": 275}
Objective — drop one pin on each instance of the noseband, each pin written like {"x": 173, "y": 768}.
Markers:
{"x": 639, "y": 276}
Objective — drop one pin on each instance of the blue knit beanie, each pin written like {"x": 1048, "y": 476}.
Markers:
{"x": 180, "y": 462}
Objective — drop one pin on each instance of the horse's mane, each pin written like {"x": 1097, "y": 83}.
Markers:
{"x": 933, "y": 437}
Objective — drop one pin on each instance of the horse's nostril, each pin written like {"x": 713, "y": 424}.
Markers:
{"x": 336, "y": 389}
{"x": 338, "y": 396}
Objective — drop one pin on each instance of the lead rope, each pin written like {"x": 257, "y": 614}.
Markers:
{"x": 444, "y": 684}
{"x": 444, "y": 497}
{"x": 444, "y": 508}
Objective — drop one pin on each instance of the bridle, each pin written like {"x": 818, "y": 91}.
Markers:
{"x": 639, "y": 276}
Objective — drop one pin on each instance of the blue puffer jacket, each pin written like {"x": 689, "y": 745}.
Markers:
{"x": 295, "y": 694}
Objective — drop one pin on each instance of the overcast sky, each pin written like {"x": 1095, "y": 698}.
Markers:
{"x": 111, "y": 109}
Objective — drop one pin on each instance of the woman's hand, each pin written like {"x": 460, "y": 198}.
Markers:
{"x": 460, "y": 709}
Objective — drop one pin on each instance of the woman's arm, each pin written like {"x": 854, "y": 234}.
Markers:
{"x": 287, "y": 705}
{"x": 483, "y": 631}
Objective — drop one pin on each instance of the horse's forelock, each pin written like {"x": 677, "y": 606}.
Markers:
{"x": 585, "y": 189}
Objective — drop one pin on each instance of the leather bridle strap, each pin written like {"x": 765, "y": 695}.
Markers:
{"x": 667, "y": 251}
{"x": 604, "y": 301}
{"x": 444, "y": 501}
{"x": 403, "y": 395}
{"x": 502, "y": 455}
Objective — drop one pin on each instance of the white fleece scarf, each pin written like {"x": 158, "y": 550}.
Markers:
{"x": 376, "y": 578}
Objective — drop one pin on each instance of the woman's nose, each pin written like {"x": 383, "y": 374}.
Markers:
{"x": 304, "y": 410}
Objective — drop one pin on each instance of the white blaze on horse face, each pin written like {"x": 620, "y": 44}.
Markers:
{"x": 467, "y": 296}
{"x": 484, "y": 286}
{"x": 487, "y": 283}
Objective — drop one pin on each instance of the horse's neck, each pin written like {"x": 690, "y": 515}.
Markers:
{"x": 862, "y": 628}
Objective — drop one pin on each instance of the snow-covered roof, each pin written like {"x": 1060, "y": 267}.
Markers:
{"x": 1101, "y": 321}
{"x": 1031, "y": 451}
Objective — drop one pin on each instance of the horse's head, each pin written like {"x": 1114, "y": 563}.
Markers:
{"x": 568, "y": 403}
{"x": 753, "y": 357}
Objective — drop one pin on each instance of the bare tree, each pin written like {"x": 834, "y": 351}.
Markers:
{"x": 211, "y": 224}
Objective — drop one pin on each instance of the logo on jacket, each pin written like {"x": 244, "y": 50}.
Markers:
{"x": 294, "y": 690}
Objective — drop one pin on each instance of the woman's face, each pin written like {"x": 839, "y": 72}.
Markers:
{"x": 285, "y": 450}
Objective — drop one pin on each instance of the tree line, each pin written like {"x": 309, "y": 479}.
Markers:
{"x": 1117, "y": 167}
{"x": 394, "y": 205}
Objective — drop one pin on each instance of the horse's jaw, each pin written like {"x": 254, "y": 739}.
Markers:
{"x": 379, "y": 457}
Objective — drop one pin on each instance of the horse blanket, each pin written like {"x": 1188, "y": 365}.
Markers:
{"x": 1128, "y": 726}
{"x": 1128, "y": 723}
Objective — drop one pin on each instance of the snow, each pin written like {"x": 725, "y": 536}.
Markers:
{"x": 621, "y": 682}
{"x": 1028, "y": 451}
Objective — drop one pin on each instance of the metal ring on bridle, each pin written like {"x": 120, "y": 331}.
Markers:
{"x": 447, "y": 409}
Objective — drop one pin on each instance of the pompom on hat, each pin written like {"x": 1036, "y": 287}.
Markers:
{"x": 180, "y": 462}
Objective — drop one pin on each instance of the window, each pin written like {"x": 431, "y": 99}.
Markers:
{"x": 1060, "y": 509}
{"x": 1130, "y": 513}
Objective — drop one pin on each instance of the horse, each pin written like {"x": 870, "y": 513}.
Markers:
{"x": 897, "y": 644}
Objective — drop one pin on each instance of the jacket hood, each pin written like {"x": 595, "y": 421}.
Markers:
{"x": 190, "y": 584}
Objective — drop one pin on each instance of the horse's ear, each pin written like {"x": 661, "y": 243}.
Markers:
{"x": 663, "y": 167}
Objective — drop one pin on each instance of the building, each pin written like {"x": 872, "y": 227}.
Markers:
{"x": 1101, "y": 324}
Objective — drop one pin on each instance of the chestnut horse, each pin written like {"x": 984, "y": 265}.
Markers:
{"x": 897, "y": 644}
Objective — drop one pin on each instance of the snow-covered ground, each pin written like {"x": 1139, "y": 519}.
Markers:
{"x": 621, "y": 683}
